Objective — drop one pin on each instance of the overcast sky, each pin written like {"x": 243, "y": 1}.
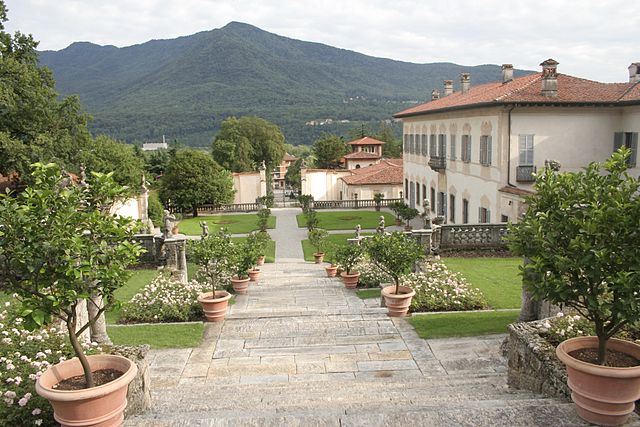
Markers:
{"x": 591, "y": 39}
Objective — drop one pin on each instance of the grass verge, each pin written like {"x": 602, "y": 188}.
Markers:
{"x": 347, "y": 220}
{"x": 443, "y": 325}
{"x": 332, "y": 239}
{"x": 235, "y": 224}
{"x": 368, "y": 293}
{"x": 158, "y": 336}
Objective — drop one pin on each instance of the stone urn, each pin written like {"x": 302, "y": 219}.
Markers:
{"x": 254, "y": 274}
{"x": 240, "y": 286}
{"x": 350, "y": 280}
{"x": 102, "y": 405}
{"x": 603, "y": 395}
{"x": 398, "y": 304}
{"x": 215, "y": 309}
{"x": 318, "y": 257}
{"x": 332, "y": 270}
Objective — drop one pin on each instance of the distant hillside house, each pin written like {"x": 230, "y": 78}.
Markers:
{"x": 281, "y": 170}
{"x": 154, "y": 146}
{"x": 473, "y": 153}
{"x": 365, "y": 151}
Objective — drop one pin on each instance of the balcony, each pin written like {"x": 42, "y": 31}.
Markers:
{"x": 525, "y": 173}
{"x": 438, "y": 163}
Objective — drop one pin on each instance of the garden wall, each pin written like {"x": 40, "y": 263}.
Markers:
{"x": 532, "y": 362}
{"x": 139, "y": 394}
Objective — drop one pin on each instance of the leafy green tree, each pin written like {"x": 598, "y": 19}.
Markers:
{"x": 192, "y": 179}
{"x": 156, "y": 162}
{"x": 328, "y": 150}
{"x": 243, "y": 144}
{"x": 392, "y": 148}
{"x": 394, "y": 254}
{"x": 293, "y": 178}
{"x": 580, "y": 234}
{"x": 105, "y": 154}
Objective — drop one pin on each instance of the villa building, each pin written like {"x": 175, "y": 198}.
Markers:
{"x": 472, "y": 153}
{"x": 281, "y": 170}
{"x": 365, "y": 152}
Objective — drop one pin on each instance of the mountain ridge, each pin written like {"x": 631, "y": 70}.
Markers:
{"x": 185, "y": 87}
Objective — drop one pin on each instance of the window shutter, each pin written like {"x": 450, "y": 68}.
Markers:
{"x": 488, "y": 216}
{"x": 444, "y": 207}
{"x": 453, "y": 147}
{"x": 618, "y": 140}
{"x": 488, "y": 151}
{"x": 634, "y": 150}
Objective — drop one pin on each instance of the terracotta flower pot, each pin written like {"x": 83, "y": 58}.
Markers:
{"x": 332, "y": 270}
{"x": 398, "y": 304}
{"x": 254, "y": 274}
{"x": 102, "y": 405}
{"x": 260, "y": 260}
{"x": 398, "y": 221}
{"x": 214, "y": 308}
{"x": 350, "y": 280}
{"x": 319, "y": 257}
{"x": 603, "y": 395}
{"x": 240, "y": 286}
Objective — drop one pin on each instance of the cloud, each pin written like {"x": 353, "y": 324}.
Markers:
{"x": 595, "y": 40}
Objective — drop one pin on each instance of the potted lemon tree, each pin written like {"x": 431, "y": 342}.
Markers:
{"x": 317, "y": 237}
{"x": 347, "y": 258}
{"x": 395, "y": 254}
{"x": 60, "y": 247}
{"x": 243, "y": 258}
{"x": 580, "y": 234}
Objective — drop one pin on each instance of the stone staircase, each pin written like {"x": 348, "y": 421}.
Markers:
{"x": 301, "y": 350}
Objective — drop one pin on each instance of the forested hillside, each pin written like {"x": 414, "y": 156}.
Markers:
{"x": 184, "y": 88}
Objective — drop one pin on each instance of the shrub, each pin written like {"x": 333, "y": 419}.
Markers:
{"x": 165, "y": 300}
{"x": 305, "y": 201}
{"x": 395, "y": 254}
{"x": 347, "y": 257}
{"x": 243, "y": 256}
{"x": 371, "y": 276}
{"x": 439, "y": 289}
{"x": 317, "y": 238}
{"x": 311, "y": 218}
{"x": 263, "y": 219}
{"x": 155, "y": 210}
{"x": 259, "y": 240}
{"x": 213, "y": 256}
{"x": 570, "y": 325}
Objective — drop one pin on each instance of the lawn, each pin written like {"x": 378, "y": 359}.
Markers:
{"x": 368, "y": 293}
{"x": 497, "y": 278}
{"x": 235, "y": 224}
{"x": 454, "y": 324}
{"x": 347, "y": 220}
{"x": 158, "y": 336}
{"x": 333, "y": 239}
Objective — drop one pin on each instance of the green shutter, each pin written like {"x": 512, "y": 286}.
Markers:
{"x": 634, "y": 150}
{"x": 618, "y": 140}
{"x": 488, "y": 151}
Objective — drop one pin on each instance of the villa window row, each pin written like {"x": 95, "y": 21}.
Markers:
{"x": 434, "y": 146}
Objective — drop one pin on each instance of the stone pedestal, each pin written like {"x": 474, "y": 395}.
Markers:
{"x": 423, "y": 236}
{"x": 174, "y": 255}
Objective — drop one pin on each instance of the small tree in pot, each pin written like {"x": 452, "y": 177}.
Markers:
{"x": 347, "y": 257}
{"x": 408, "y": 214}
{"x": 378, "y": 198}
{"x": 263, "y": 219}
{"x": 397, "y": 208}
{"x": 330, "y": 256}
{"x": 317, "y": 238}
{"x": 395, "y": 254}
{"x": 260, "y": 241}
{"x": 580, "y": 234}
{"x": 58, "y": 247}
{"x": 243, "y": 257}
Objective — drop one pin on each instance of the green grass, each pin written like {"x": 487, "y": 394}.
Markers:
{"x": 497, "y": 278}
{"x": 235, "y": 224}
{"x": 347, "y": 220}
{"x": 463, "y": 324}
{"x": 368, "y": 293}
{"x": 333, "y": 239}
{"x": 138, "y": 280}
{"x": 158, "y": 336}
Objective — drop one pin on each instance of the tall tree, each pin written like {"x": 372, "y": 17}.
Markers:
{"x": 328, "y": 150}
{"x": 106, "y": 155}
{"x": 193, "y": 178}
{"x": 243, "y": 144}
{"x": 293, "y": 178}
{"x": 393, "y": 148}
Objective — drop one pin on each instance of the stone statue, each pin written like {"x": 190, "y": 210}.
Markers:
{"x": 167, "y": 221}
{"x": 358, "y": 230}
{"x": 83, "y": 177}
{"x": 205, "y": 228}
{"x": 263, "y": 165}
{"x": 380, "y": 228}
{"x": 426, "y": 215}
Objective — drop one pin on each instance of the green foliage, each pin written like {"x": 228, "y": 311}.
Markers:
{"x": 108, "y": 155}
{"x": 580, "y": 234}
{"x": 260, "y": 241}
{"x": 347, "y": 257}
{"x": 243, "y": 256}
{"x": 212, "y": 255}
{"x": 293, "y": 178}
{"x": 157, "y": 162}
{"x": 263, "y": 219}
{"x": 305, "y": 201}
{"x": 393, "y": 147}
{"x": 378, "y": 197}
{"x": 58, "y": 244}
{"x": 395, "y": 254}
{"x": 311, "y": 219}
{"x": 408, "y": 214}
{"x": 243, "y": 144}
{"x": 266, "y": 200}
{"x": 155, "y": 209}
{"x": 397, "y": 208}
{"x": 328, "y": 150}
{"x": 193, "y": 178}
{"x": 371, "y": 276}
{"x": 317, "y": 237}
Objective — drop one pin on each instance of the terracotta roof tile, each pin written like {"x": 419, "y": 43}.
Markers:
{"x": 527, "y": 89}
{"x": 361, "y": 155}
{"x": 365, "y": 141}
{"x": 386, "y": 172}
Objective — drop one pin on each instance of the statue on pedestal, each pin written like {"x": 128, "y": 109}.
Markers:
{"x": 426, "y": 214}
{"x": 167, "y": 221}
{"x": 358, "y": 230}
{"x": 381, "y": 225}
{"x": 205, "y": 228}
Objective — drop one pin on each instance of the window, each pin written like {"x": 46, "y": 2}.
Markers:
{"x": 484, "y": 216}
{"x": 466, "y": 148}
{"x": 406, "y": 187}
{"x": 465, "y": 211}
{"x": 629, "y": 140}
{"x": 504, "y": 218}
{"x": 405, "y": 146}
{"x": 452, "y": 208}
{"x": 485, "y": 150}
{"x": 453, "y": 147}
{"x": 432, "y": 145}
{"x": 411, "y": 149}
{"x": 424, "y": 145}
{"x": 424, "y": 193}
{"x": 442, "y": 145}
{"x": 417, "y": 194}
{"x": 442, "y": 204}
{"x": 526, "y": 150}
{"x": 433, "y": 199}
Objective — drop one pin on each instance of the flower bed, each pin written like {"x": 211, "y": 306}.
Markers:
{"x": 24, "y": 356}
{"x": 439, "y": 289}
{"x": 164, "y": 300}
{"x": 371, "y": 276}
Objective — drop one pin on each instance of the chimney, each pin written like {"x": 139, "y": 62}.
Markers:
{"x": 634, "y": 72}
{"x": 435, "y": 94}
{"x": 507, "y": 73}
{"x": 550, "y": 78}
{"x": 465, "y": 82}
{"x": 448, "y": 87}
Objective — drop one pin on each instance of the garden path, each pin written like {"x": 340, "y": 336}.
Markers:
{"x": 287, "y": 235}
{"x": 301, "y": 350}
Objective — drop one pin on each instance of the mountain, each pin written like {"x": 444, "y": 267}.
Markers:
{"x": 184, "y": 88}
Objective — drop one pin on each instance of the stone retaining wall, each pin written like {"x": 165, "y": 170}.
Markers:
{"x": 533, "y": 364}
{"x": 139, "y": 394}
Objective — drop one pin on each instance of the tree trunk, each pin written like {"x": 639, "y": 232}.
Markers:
{"x": 602, "y": 350}
{"x": 77, "y": 348}
{"x": 195, "y": 211}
